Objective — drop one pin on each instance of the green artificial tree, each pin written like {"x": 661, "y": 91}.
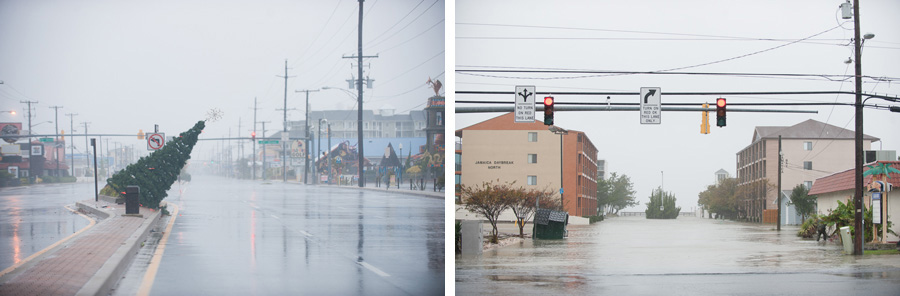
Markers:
{"x": 156, "y": 173}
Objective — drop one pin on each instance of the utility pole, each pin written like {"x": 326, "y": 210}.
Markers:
{"x": 56, "y": 122}
{"x": 31, "y": 159}
{"x": 284, "y": 136}
{"x": 88, "y": 157}
{"x": 779, "y": 184}
{"x": 241, "y": 145}
{"x": 328, "y": 132}
{"x": 253, "y": 138}
{"x": 264, "y": 150}
{"x": 72, "y": 136}
{"x": 307, "y": 140}
{"x": 359, "y": 89}
{"x": 857, "y": 175}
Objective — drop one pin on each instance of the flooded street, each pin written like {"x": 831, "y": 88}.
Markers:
{"x": 633, "y": 255}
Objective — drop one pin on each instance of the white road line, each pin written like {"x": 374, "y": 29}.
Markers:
{"x": 374, "y": 269}
{"x": 306, "y": 233}
{"x": 276, "y": 217}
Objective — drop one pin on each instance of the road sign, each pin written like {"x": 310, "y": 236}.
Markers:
{"x": 156, "y": 141}
{"x": 651, "y": 112}
{"x": 525, "y": 97}
{"x": 268, "y": 142}
{"x": 46, "y": 140}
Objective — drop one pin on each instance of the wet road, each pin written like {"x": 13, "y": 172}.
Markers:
{"x": 687, "y": 256}
{"x": 248, "y": 238}
{"x": 34, "y": 217}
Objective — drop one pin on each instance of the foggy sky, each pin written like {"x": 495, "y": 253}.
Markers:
{"x": 638, "y": 36}
{"x": 127, "y": 65}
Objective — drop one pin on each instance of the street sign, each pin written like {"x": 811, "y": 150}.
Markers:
{"x": 43, "y": 140}
{"x": 268, "y": 142}
{"x": 651, "y": 112}
{"x": 156, "y": 141}
{"x": 525, "y": 97}
{"x": 876, "y": 207}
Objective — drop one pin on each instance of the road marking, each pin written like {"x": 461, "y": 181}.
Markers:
{"x": 276, "y": 217}
{"x": 150, "y": 276}
{"x": 306, "y": 233}
{"x": 54, "y": 245}
{"x": 374, "y": 269}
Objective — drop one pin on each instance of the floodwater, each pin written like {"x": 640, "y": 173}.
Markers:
{"x": 685, "y": 256}
{"x": 34, "y": 217}
{"x": 235, "y": 237}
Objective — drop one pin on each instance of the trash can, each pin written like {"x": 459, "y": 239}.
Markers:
{"x": 132, "y": 200}
{"x": 846, "y": 240}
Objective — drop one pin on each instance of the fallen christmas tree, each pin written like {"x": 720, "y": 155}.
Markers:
{"x": 156, "y": 173}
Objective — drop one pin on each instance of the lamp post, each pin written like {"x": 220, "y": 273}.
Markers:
{"x": 400, "y": 173}
{"x": 561, "y": 132}
{"x": 306, "y": 122}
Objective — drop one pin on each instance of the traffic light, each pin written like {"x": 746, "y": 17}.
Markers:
{"x": 704, "y": 122}
{"x": 140, "y": 134}
{"x": 253, "y": 135}
{"x": 548, "y": 110}
{"x": 720, "y": 112}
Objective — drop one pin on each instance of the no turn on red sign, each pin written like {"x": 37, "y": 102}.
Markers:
{"x": 156, "y": 141}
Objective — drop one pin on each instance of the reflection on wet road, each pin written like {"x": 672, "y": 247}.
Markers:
{"x": 633, "y": 255}
{"x": 34, "y": 217}
{"x": 248, "y": 238}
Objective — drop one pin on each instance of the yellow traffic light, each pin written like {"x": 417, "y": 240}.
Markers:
{"x": 63, "y": 133}
{"x": 140, "y": 134}
{"x": 704, "y": 123}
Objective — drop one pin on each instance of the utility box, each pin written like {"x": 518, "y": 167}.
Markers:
{"x": 846, "y": 240}
{"x": 472, "y": 237}
{"x": 549, "y": 224}
{"x": 132, "y": 200}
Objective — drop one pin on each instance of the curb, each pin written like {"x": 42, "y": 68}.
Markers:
{"x": 105, "y": 279}
{"x": 401, "y": 191}
{"x": 99, "y": 212}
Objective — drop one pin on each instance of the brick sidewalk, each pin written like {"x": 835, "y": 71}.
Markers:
{"x": 67, "y": 270}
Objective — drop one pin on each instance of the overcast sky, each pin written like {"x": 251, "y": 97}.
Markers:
{"x": 645, "y": 35}
{"x": 127, "y": 65}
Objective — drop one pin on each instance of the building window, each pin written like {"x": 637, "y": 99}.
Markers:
{"x": 532, "y": 158}
{"x": 807, "y": 146}
{"x": 440, "y": 119}
{"x": 807, "y": 165}
{"x": 532, "y": 136}
{"x": 807, "y": 184}
{"x": 532, "y": 180}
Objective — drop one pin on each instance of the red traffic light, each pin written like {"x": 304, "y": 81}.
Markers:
{"x": 548, "y": 101}
{"x": 720, "y": 102}
{"x": 253, "y": 135}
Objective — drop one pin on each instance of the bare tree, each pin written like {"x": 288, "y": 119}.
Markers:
{"x": 488, "y": 200}
{"x": 522, "y": 204}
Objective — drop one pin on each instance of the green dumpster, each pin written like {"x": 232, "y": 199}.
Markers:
{"x": 549, "y": 224}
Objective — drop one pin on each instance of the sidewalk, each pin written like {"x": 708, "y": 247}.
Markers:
{"x": 90, "y": 263}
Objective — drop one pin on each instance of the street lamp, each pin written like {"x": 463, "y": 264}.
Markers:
{"x": 561, "y": 132}
{"x": 306, "y": 144}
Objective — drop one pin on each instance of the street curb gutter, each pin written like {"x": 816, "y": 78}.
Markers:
{"x": 105, "y": 279}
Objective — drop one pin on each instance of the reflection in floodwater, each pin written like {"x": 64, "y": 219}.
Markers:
{"x": 34, "y": 217}
{"x": 625, "y": 255}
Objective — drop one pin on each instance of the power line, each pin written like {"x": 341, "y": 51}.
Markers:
{"x": 604, "y": 73}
